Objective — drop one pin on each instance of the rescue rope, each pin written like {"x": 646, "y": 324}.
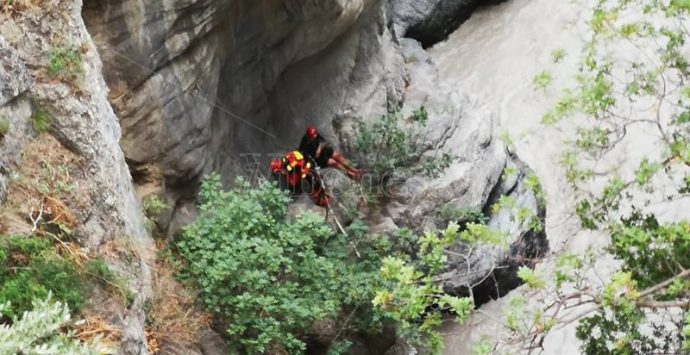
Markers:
{"x": 329, "y": 209}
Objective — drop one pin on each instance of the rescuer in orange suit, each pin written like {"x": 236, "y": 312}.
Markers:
{"x": 297, "y": 173}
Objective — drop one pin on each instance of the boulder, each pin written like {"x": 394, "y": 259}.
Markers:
{"x": 488, "y": 272}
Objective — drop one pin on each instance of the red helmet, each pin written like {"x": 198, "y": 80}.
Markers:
{"x": 311, "y": 132}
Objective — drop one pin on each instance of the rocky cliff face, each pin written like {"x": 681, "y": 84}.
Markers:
{"x": 83, "y": 138}
{"x": 222, "y": 85}
{"x": 195, "y": 86}
{"x": 198, "y": 88}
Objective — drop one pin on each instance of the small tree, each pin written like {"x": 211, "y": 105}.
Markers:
{"x": 633, "y": 77}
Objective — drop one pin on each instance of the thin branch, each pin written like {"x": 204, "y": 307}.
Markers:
{"x": 652, "y": 290}
{"x": 38, "y": 218}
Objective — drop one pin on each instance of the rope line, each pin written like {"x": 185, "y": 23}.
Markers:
{"x": 192, "y": 93}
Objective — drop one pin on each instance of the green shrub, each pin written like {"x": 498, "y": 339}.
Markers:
{"x": 393, "y": 144}
{"x": 462, "y": 216}
{"x": 40, "y": 331}
{"x": 267, "y": 277}
{"x": 29, "y": 269}
{"x": 153, "y": 206}
{"x": 65, "y": 63}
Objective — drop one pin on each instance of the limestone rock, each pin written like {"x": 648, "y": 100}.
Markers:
{"x": 431, "y": 21}
{"x": 194, "y": 88}
{"x": 14, "y": 81}
{"x": 488, "y": 272}
{"x": 82, "y": 120}
{"x": 14, "y": 77}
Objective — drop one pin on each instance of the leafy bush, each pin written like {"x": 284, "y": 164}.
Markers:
{"x": 153, "y": 207}
{"x": 266, "y": 276}
{"x": 30, "y": 269}
{"x": 39, "y": 331}
{"x": 462, "y": 216}
{"x": 392, "y": 143}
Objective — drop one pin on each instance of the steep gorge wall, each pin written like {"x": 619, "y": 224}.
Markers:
{"x": 196, "y": 84}
{"x": 201, "y": 86}
{"x": 82, "y": 142}
{"x": 205, "y": 85}
{"x": 178, "y": 81}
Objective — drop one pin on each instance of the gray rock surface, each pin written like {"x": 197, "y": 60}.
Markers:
{"x": 83, "y": 121}
{"x": 201, "y": 86}
{"x": 14, "y": 77}
{"x": 458, "y": 125}
{"x": 431, "y": 21}
{"x": 14, "y": 81}
{"x": 490, "y": 272}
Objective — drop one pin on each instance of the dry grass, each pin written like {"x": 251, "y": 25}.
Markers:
{"x": 94, "y": 327}
{"x": 174, "y": 316}
{"x": 44, "y": 190}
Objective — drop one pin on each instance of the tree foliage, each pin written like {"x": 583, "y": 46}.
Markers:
{"x": 632, "y": 87}
{"x": 268, "y": 277}
{"x": 411, "y": 290}
{"x": 265, "y": 275}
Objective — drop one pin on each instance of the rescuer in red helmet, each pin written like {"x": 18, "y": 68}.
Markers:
{"x": 296, "y": 173}
{"x": 324, "y": 155}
